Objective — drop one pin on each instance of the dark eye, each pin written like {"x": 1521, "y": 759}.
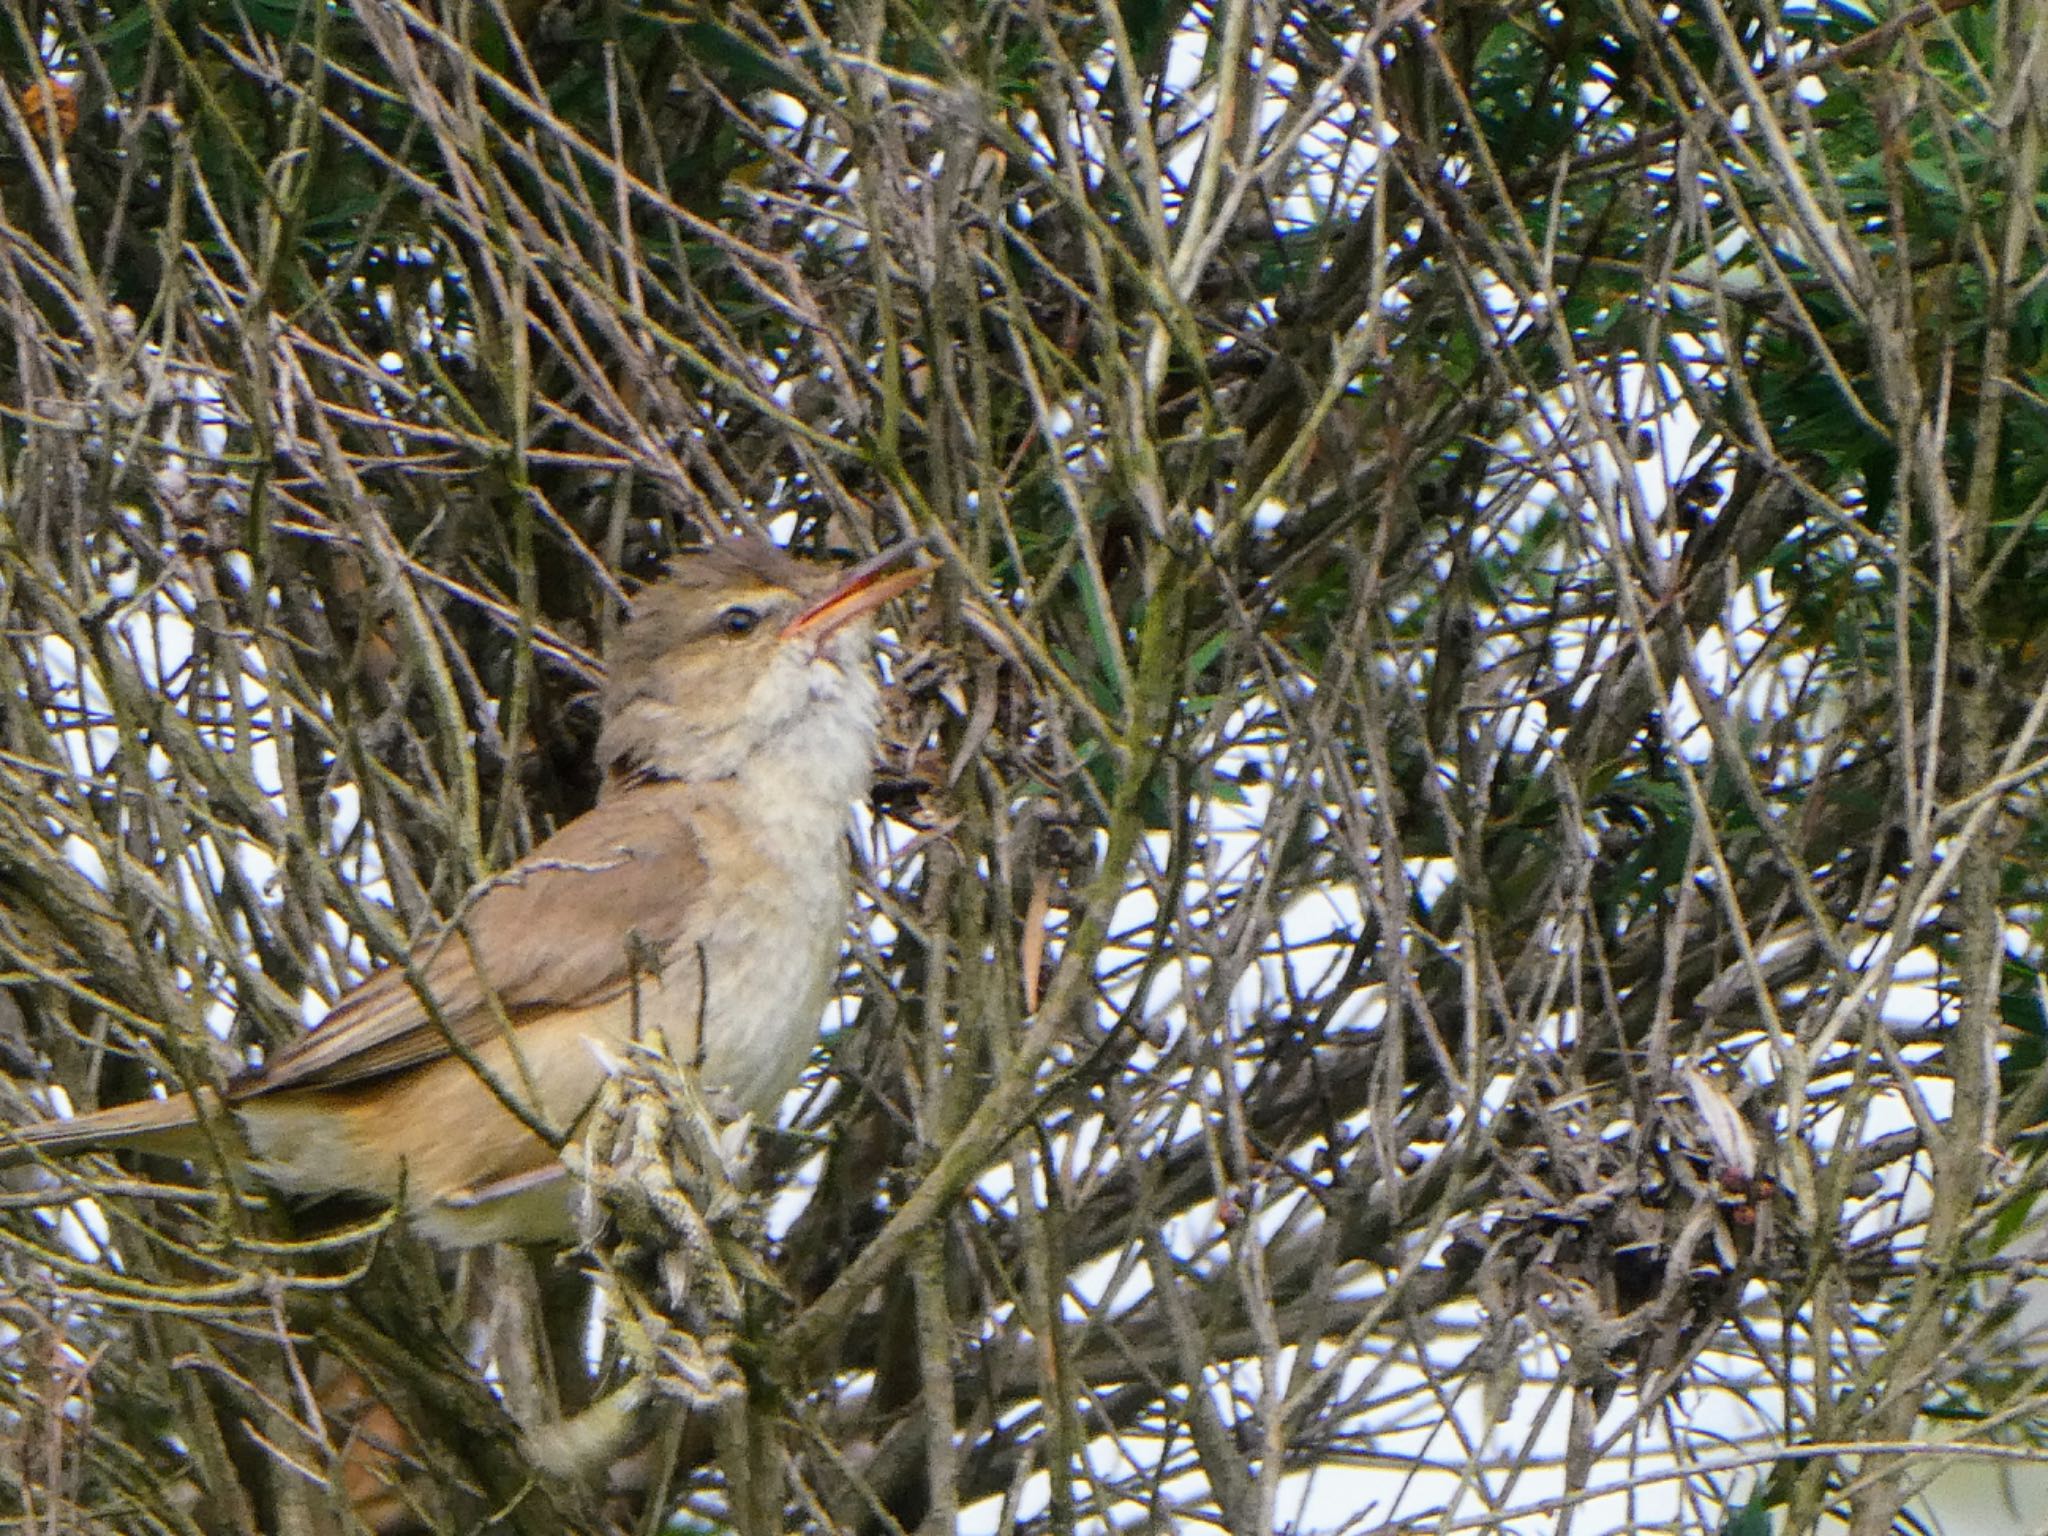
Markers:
{"x": 738, "y": 621}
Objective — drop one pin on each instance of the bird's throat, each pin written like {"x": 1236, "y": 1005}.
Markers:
{"x": 807, "y": 731}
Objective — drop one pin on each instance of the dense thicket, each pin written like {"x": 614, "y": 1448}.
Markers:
{"x": 1452, "y": 927}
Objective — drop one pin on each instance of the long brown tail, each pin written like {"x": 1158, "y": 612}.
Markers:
{"x": 150, "y": 1125}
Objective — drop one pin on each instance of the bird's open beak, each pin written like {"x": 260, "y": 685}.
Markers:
{"x": 860, "y": 591}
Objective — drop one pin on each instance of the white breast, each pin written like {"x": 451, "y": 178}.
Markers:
{"x": 750, "y": 1016}
{"x": 771, "y": 965}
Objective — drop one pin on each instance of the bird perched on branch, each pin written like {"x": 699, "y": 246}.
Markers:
{"x": 703, "y": 900}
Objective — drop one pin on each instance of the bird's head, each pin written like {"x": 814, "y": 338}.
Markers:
{"x": 742, "y": 649}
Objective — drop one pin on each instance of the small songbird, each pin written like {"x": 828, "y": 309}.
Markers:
{"x": 704, "y": 897}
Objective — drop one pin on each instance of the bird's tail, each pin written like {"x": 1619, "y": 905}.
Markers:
{"x": 148, "y": 1125}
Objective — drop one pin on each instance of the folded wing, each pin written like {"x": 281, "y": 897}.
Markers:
{"x": 576, "y": 922}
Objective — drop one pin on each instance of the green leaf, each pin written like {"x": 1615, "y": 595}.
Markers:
{"x": 1149, "y": 24}
{"x": 1753, "y": 1519}
{"x": 280, "y": 18}
{"x": 724, "y": 53}
{"x": 1495, "y": 46}
{"x": 1205, "y": 653}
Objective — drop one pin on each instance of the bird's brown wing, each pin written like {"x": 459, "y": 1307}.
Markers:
{"x": 569, "y": 926}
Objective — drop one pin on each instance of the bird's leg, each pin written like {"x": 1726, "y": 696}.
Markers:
{"x": 665, "y": 1220}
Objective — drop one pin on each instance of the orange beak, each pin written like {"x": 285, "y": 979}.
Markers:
{"x": 860, "y": 591}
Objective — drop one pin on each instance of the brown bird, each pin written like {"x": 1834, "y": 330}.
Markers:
{"x": 704, "y": 897}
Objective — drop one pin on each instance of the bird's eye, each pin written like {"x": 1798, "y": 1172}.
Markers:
{"x": 738, "y": 621}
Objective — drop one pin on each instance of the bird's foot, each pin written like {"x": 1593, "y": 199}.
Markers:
{"x": 673, "y": 1236}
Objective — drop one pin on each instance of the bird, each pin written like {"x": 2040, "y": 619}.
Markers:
{"x": 702, "y": 899}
